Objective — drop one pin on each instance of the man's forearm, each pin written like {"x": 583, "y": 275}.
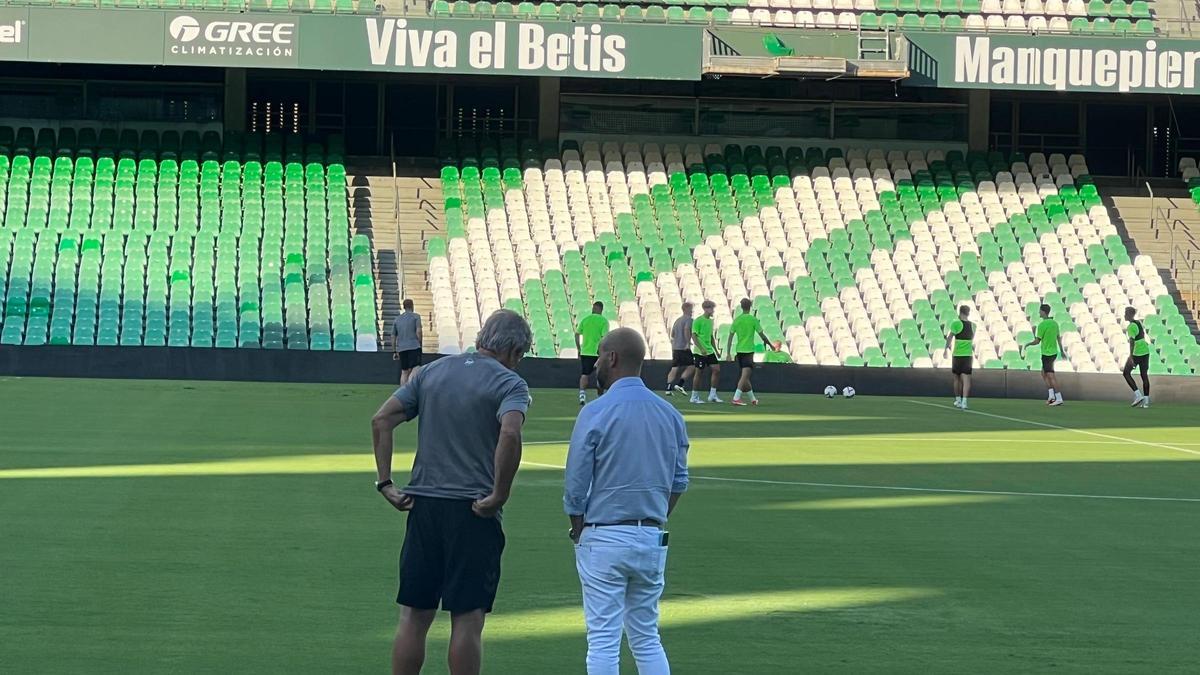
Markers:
{"x": 576, "y": 524}
{"x": 383, "y": 451}
{"x": 508, "y": 459}
{"x": 673, "y": 501}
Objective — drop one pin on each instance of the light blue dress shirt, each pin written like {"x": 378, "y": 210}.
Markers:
{"x": 628, "y": 455}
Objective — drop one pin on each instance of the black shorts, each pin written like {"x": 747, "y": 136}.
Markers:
{"x": 587, "y": 364}
{"x": 682, "y": 358}
{"x": 745, "y": 359}
{"x": 961, "y": 365}
{"x": 1048, "y": 363}
{"x": 409, "y": 359}
{"x": 1142, "y": 362}
{"x": 450, "y": 555}
{"x": 703, "y": 361}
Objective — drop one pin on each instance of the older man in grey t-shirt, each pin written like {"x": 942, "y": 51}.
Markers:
{"x": 406, "y": 341}
{"x": 471, "y": 408}
{"x": 683, "y": 363}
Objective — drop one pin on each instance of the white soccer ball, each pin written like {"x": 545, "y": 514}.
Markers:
{"x": 830, "y": 391}
{"x": 849, "y": 392}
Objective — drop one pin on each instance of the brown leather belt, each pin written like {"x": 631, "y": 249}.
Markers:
{"x": 645, "y": 522}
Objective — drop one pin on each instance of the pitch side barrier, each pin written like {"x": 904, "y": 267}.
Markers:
{"x": 257, "y": 365}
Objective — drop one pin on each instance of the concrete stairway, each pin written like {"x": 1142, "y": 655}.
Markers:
{"x": 1174, "y": 218}
{"x": 421, "y": 217}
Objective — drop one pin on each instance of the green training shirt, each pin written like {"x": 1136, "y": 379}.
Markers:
{"x": 1047, "y": 332}
{"x": 702, "y": 328}
{"x": 1138, "y": 335}
{"x": 591, "y": 330}
{"x": 744, "y": 328}
{"x": 962, "y": 345}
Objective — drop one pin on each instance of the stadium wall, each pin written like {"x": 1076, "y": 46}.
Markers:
{"x": 166, "y": 363}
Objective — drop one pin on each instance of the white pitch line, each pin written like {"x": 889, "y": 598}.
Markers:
{"x": 897, "y": 488}
{"x": 889, "y": 439}
{"x": 1062, "y": 428}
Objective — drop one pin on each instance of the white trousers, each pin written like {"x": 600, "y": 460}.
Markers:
{"x": 621, "y": 568}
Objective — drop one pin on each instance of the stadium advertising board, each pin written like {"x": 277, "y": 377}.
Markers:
{"x": 14, "y": 33}
{"x": 600, "y": 49}
{"x": 1053, "y": 63}
{"x": 415, "y": 45}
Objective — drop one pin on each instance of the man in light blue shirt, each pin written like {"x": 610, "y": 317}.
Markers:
{"x": 626, "y": 470}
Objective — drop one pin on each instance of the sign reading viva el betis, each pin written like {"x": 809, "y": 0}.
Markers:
{"x": 1053, "y": 63}
{"x": 586, "y": 49}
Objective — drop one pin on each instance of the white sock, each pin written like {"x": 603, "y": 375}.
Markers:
{"x": 582, "y": 392}
{"x": 964, "y": 400}
{"x": 1051, "y": 393}
{"x": 1058, "y": 397}
{"x": 958, "y": 399}
{"x": 751, "y": 395}
{"x": 737, "y": 394}
{"x": 1137, "y": 393}
{"x": 712, "y": 392}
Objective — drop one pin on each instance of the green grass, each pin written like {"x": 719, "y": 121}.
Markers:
{"x": 156, "y": 527}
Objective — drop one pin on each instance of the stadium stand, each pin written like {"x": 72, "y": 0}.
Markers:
{"x": 856, "y": 258}
{"x": 303, "y": 6}
{"x": 179, "y": 240}
{"x": 1074, "y": 16}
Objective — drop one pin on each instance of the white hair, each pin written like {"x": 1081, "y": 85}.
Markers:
{"x": 504, "y": 332}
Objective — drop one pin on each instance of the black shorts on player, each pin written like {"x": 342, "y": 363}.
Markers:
{"x": 682, "y": 358}
{"x": 961, "y": 365}
{"x": 587, "y": 364}
{"x": 703, "y": 361}
{"x": 1142, "y": 362}
{"x": 409, "y": 359}
{"x": 1048, "y": 363}
{"x": 451, "y": 556}
{"x": 745, "y": 359}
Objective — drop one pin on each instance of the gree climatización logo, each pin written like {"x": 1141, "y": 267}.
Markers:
{"x": 191, "y": 37}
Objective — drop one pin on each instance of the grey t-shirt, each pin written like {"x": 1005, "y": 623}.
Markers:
{"x": 458, "y": 402}
{"x": 404, "y": 331}
{"x": 681, "y": 333}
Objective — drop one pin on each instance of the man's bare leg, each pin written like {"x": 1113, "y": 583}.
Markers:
{"x": 466, "y": 642}
{"x": 408, "y": 651}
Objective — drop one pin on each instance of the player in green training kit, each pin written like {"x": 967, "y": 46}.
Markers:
{"x": 962, "y": 332}
{"x": 1139, "y": 355}
{"x": 706, "y": 355}
{"x": 1048, "y": 337}
{"x": 591, "y": 330}
{"x": 744, "y": 328}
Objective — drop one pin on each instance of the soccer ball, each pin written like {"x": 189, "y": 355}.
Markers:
{"x": 849, "y": 392}
{"x": 830, "y": 391}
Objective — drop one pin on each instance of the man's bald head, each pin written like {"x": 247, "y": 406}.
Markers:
{"x": 622, "y": 352}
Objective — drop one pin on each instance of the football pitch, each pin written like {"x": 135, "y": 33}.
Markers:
{"x": 193, "y": 527}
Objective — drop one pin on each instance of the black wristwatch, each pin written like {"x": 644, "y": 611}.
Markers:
{"x": 380, "y": 484}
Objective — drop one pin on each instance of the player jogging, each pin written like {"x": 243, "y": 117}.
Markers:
{"x": 1048, "y": 337}
{"x": 706, "y": 355}
{"x": 591, "y": 330}
{"x": 1139, "y": 355}
{"x": 744, "y": 328}
{"x": 683, "y": 362}
{"x": 962, "y": 332}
